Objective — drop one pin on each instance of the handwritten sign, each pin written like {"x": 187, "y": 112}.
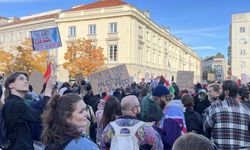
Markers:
{"x": 185, "y": 79}
{"x": 46, "y": 39}
{"x": 36, "y": 80}
{"x": 110, "y": 79}
{"x": 210, "y": 77}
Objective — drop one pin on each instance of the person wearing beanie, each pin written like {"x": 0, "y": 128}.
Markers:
{"x": 173, "y": 120}
{"x": 150, "y": 110}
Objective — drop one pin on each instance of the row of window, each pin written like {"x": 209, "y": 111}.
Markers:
{"x": 14, "y": 36}
{"x": 148, "y": 37}
{"x": 92, "y": 29}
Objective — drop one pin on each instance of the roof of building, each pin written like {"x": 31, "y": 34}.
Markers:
{"x": 100, "y": 4}
{"x": 31, "y": 19}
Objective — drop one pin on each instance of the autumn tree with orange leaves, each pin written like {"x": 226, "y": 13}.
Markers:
{"x": 23, "y": 58}
{"x": 82, "y": 58}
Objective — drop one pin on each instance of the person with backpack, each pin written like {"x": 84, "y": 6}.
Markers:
{"x": 63, "y": 124}
{"x": 17, "y": 116}
{"x": 129, "y": 133}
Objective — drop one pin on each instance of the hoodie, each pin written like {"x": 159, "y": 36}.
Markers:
{"x": 175, "y": 110}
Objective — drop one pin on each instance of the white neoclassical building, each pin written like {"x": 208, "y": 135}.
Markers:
{"x": 127, "y": 34}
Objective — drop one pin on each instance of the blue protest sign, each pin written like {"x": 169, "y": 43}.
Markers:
{"x": 46, "y": 39}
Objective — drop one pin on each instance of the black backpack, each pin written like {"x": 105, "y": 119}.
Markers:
{"x": 4, "y": 140}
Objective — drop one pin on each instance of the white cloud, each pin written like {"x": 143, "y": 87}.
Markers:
{"x": 204, "y": 48}
{"x": 18, "y": 1}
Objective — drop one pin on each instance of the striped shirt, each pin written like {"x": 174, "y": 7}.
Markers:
{"x": 229, "y": 122}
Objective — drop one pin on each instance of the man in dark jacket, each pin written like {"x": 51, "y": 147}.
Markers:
{"x": 150, "y": 111}
{"x": 17, "y": 115}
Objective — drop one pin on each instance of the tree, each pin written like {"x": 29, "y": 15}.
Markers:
{"x": 23, "y": 58}
{"x": 82, "y": 58}
{"x": 219, "y": 55}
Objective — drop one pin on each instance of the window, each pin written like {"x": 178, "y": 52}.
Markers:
{"x": 242, "y": 52}
{"x": 140, "y": 31}
{"x": 148, "y": 56}
{"x": 19, "y": 36}
{"x": 242, "y": 29}
{"x": 154, "y": 39}
{"x": 153, "y": 58}
{"x": 72, "y": 31}
{"x": 148, "y": 36}
{"x": 1, "y": 38}
{"x": 113, "y": 52}
{"x": 113, "y": 27}
{"x": 92, "y": 29}
{"x": 243, "y": 41}
{"x": 140, "y": 55}
{"x": 11, "y": 37}
{"x": 93, "y": 46}
{"x": 243, "y": 64}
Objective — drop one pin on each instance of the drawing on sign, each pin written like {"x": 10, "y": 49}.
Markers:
{"x": 110, "y": 79}
{"x": 46, "y": 39}
{"x": 185, "y": 79}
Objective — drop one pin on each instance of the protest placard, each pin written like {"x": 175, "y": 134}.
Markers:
{"x": 109, "y": 79}
{"x": 36, "y": 80}
{"x": 46, "y": 39}
{"x": 185, "y": 79}
{"x": 210, "y": 76}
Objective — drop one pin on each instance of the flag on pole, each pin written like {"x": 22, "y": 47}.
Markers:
{"x": 163, "y": 81}
{"x": 47, "y": 73}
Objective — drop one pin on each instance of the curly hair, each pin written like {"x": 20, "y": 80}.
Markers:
{"x": 54, "y": 119}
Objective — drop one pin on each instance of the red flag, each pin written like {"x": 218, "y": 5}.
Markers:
{"x": 47, "y": 73}
{"x": 164, "y": 81}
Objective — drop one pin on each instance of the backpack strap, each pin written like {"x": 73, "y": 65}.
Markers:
{"x": 132, "y": 129}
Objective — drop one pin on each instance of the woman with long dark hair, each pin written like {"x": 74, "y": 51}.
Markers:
{"x": 64, "y": 122}
{"x": 112, "y": 109}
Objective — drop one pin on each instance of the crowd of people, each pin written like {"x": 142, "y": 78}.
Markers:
{"x": 145, "y": 116}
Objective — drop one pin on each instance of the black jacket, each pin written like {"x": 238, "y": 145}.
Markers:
{"x": 193, "y": 121}
{"x": 18, "y": 118}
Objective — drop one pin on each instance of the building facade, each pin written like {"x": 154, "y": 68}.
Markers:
{"x": 216, "y": 66}
{"x": 239, "y": 58}
{"x": 129, "y": 37}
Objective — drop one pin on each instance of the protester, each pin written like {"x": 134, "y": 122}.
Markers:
{"x": 91, "y": 99}
{"x": 112, "y": 111}
{"x": 228, "y": 120}
{"x": 193, "y": 141}
{"x": 245, "y": 98}
{"x": 144, "y": 92}
{"x": 202, "y": 103}
{"x": 65, "y": 86}
{"x": 138, "y": 133}
{"x": 192, "y": 118}
{"x": 150, "y": 111}
{"x": 214, "y": 92}
{"x": 17, "y": 115}
{"x": 172, "y": 124}
{"x": 98, "y": 115}
{"x": 64, "y": 121}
